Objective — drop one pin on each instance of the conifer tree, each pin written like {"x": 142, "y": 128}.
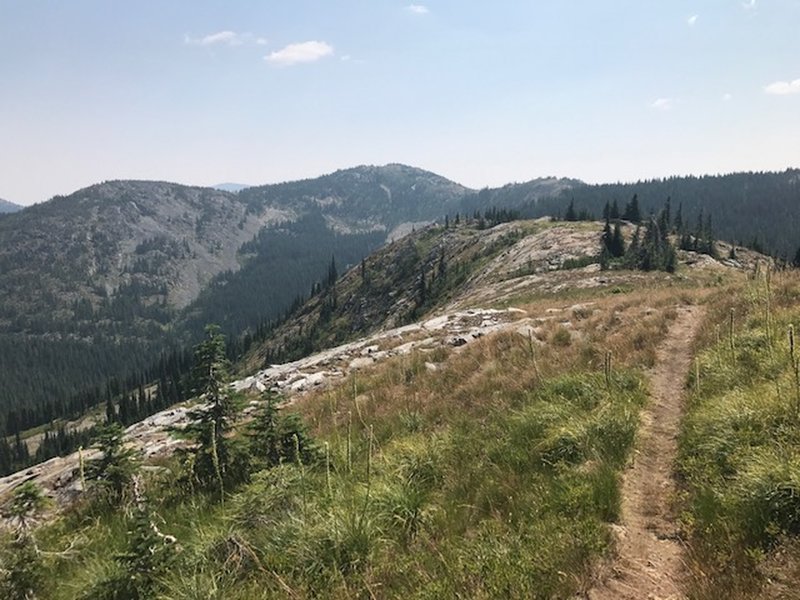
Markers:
{"x": 613, "y": 214}
{"x": 21, "y": 568}
{"x": 617, "y": 242}
{"x": 571, "y": 215}
{"x": 632, "y": 212}
{"x": 678, "y": 224}
{"x": 110, "y": 474}
{"x": 216, "y": 461}
{"x": 148, "y": 554}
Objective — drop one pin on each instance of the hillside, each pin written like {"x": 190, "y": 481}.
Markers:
{"x": 99, "y": 282}
{"x": 366, "y": 198}
{"x": 481, "y": 426}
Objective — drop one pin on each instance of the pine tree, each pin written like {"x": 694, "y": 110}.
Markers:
{"x": 617, "y": 242}
{"x": 664, "y": 219}
{"x": 678, "y": 225}
{"x": 571, "y": 215}
{"x": 606, "y": 238}
{"x": 632, "y": 212}
{"x": 110, "y": 474}
{"x": 215, "y": 462}
{"x": 21, "y": 570}
{"x": 264, "y": 435}
{"x": 613, "y": 214}
{"x": 111, "y": 412}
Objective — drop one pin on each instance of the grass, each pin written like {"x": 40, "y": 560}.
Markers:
{"x": 513, "y": 505}
{"x": 740, "y": 445}
{"x": 497, "y": 475}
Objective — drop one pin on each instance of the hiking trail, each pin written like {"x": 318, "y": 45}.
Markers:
{"x": 649, "y": 562}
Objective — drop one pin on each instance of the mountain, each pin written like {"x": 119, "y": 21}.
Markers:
{"x": 484, "y": 415}
{"x": 366, "y": 198}
{"x": 97, "y": 283}
{"x": 230, "y": 187}
{"x": 9, "y": 207}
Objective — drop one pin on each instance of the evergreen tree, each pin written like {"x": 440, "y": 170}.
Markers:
{"x": 571, "y": 215}
{"x": 796, "y": 261}
{"x": 632, "y": 255}
{"x": 617, "y": 242}
{"x": 664, "y": 219}
{"x": 110, "y": 474}
{"x": 21, "y": 568}
{"x": 678, "y": 224}
{"x": 606, "y": 238}
{"x": 632, "y": 212}
{"x": 111, "y": 412}
{"x": 215, "y": 461}
{"x": 613, "y": 214}
{"x": 264, "y": 437}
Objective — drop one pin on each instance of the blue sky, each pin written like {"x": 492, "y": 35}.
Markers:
{"x": 484, "y": 93}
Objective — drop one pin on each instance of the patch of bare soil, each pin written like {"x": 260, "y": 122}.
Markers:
{"x": 649, "y": 562}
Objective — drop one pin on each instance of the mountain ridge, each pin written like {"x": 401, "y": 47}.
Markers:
{"x": 9, "y": 207}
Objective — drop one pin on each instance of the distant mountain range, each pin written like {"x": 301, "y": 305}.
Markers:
{"x": 9, "y": 207}
{"x": 97, "y": 283}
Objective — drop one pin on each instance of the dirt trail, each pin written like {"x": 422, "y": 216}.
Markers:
{"x": 649, "y": 564}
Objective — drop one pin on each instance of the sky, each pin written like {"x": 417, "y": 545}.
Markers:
{"x": 485, "y": 93}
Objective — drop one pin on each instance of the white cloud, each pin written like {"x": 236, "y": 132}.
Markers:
{"x": 749, "y": 4}
{"x": 783, "y": 88}
{"x": 727, "y": 97}
{"x": 303, "y": 52}
{"x": 227, "y": 38}
{"x": 692, "y": 21}
{"x": 418, "y": 9}
{"x": 231, "y": 38}
{"x": 662, "y": 103}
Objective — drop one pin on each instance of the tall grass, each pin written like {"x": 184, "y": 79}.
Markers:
{"x": 496, "y": 476}
{"x": 740, "y": 447}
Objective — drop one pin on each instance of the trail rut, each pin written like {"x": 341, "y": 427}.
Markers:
{"x": 649, "y": 562}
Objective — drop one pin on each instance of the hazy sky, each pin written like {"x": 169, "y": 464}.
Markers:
{"x": 484, "y": 93}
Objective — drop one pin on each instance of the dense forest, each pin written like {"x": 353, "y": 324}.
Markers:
{"x": 280, "y": 264}
{"x": 752, "y": 209}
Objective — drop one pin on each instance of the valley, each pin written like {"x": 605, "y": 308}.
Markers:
{"x": 520, "y": 349}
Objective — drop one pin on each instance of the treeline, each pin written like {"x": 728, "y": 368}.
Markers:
{"x": 145, "y": 392}
{"x": 142, "y": 394}
{"x": 756, "y": 210}
{"x": 651, "y": 248}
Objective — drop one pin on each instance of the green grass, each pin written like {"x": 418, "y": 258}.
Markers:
{"x": 739, "y": 455}
{"x": 515, "y": 505}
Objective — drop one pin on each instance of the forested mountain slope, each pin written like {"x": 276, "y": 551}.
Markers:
{"x": 744, "y": 207}
{"x": 97, "y": 283}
